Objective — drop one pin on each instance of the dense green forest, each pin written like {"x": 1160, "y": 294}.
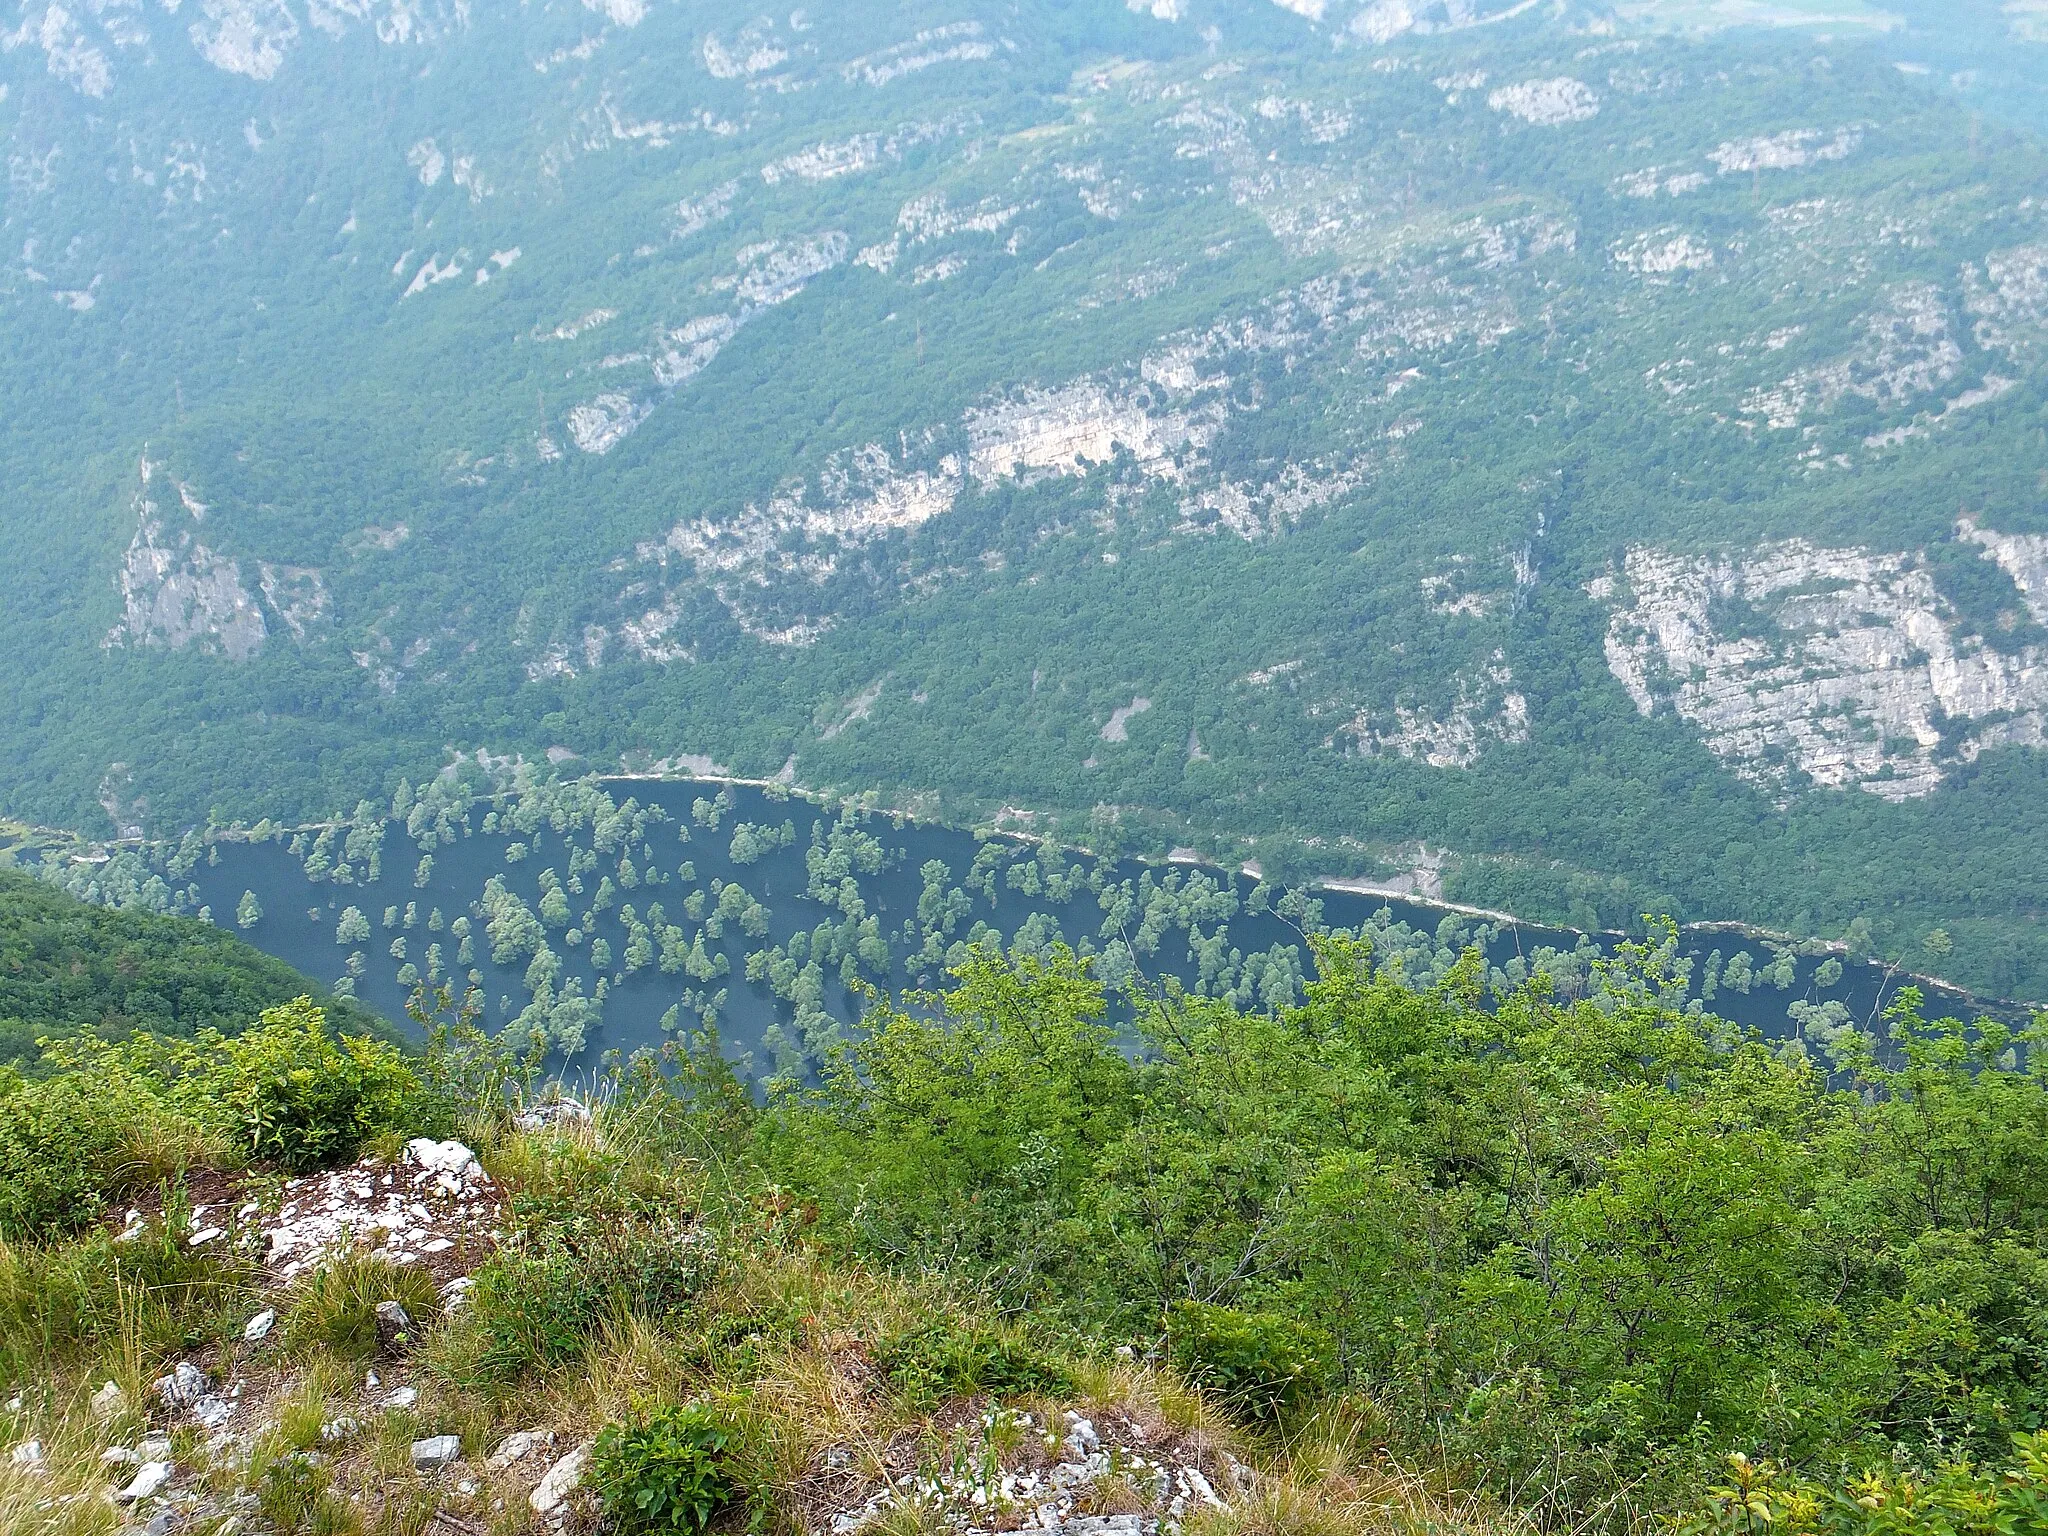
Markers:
{"x": 1600, "y": 458}
{"x": 68, "y": 969}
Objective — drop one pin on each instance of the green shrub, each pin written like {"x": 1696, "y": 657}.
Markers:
{"x": 942, "y": 1360}
{"x": 296, "y": 1096}
{"x": 1959, "y": 1498}
{"x": 528, "y": 1308}
{"x": 62, "y": 1144}
{"x": 669, "y": 1471}
{"x": 1258, "y": 1362}
{"x": 286, "y": 1091}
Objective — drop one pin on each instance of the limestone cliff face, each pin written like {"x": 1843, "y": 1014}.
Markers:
{"x": 177, "y": 592}
{"x": 1842, "y": 664}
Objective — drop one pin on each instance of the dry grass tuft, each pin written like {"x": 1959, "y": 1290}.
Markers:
{"x": 63, "y": 1494}
{"x": 1323, "y": 1484}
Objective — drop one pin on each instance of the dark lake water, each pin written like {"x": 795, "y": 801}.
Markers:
{"x": 1777, "y": 992}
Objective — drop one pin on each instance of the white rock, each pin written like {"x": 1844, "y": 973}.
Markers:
{"x": 403, "y": 1398}
{"x": 259, "y": 1326}
{"x": 154, "y": 1448}
{"x": 148, "y": 1479}
{"x": 119, "y": 1456}
{"x": 202, "y": 1237}
{"x": 183, "y": 1387}
{"x": 1200, "y": 1487}
{"x": 560, "y": 1111}
{"x": 436, "y": 1451}
{"x": 212, "y": 1411}
{"x": 561, "y": 1480}
{"x": 514, "y": 1447}
{"x": 108, "y": 1401}
{"x": 27, "y": 1454}
{"x": 440, "y": 1156}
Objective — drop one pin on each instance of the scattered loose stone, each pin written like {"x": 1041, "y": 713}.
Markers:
{"x": 436, "y": 1451}
{"x": 394, "y": 1326}
{"x": 1054, "y": 1500}
{"x": 27, "y": 1454}
{"x": 259, "y": 1326}
{"x": 402, "y": 1399}
{"x": 154, "y": 1448}
{"x": 202, "y": 1237}
{"x": 561, "y": 1480}
{"x": 516, "y": 1446}
{"x": 555, "y": 1112}
{"x": 185, "y": 1385}
{"x": 212, "y": 1412}
{"x": 119, "y": 1456}
{"x": 148, "y": 1479}
{"x": 437, "y": 1193}
{"x": 108, "y": 1401}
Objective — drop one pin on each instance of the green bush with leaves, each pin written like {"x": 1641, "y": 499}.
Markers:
{"x": 103, "y": 1117}
{"x": 63, "y": 1145}
{"x": 542, "y": 1297}
{"x": 1574, "y": 1242}
{"x": 1956, "y": 1498}
{"x": 297, "y": 1096}
{"x": 670, "y": 1470}
{"x": 1258, "y": 1362}
{"x": 529, "y": 1308}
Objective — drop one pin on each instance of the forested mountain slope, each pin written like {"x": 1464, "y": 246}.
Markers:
{"x": 67, "y": 968}
{"x": 1605, "y": 446}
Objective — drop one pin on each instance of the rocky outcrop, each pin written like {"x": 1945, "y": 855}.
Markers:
{"x": 436, "y": 1199}
{"x": 175, "y": 591}
{"x": 1907, "y": 348}
{"x": 1486, "y": 710}
{"x": 799, "y": 533}
{"x": 2009, "y": 299}
{"x": 1842, "y": 666}
{"x": 244, "y": 37}
{"x": 1060, "y": 430}
{"x": 2024, "y": 557}
{"x": 1547, "y": 103}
